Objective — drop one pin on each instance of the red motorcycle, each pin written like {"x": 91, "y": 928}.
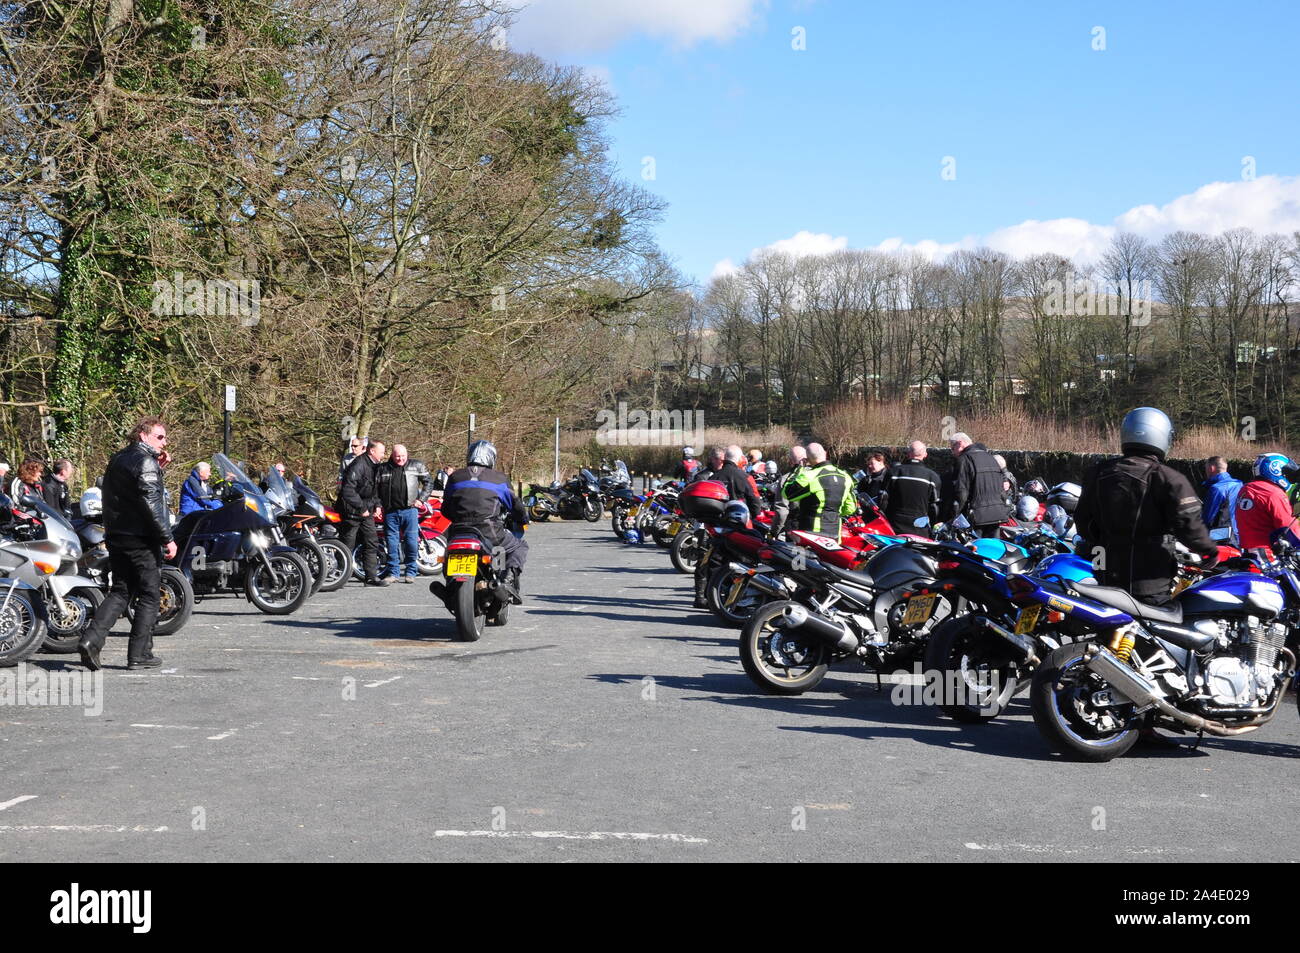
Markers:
{"x": 433, "y": 542}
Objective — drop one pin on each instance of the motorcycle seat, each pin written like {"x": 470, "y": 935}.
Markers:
{"x": 1120, "y": 599}
{"x": 860, "y": 579}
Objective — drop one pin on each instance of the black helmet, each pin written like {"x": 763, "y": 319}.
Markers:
{"x": 1036, "y": 488}
{"x": 482, "y": 453}
{"x": 735, "y": 514}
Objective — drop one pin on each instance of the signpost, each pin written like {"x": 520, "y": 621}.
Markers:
{"x": 469, "y": 435}
{"x": 230, "y": 409}
{"x": 557, "y": 449}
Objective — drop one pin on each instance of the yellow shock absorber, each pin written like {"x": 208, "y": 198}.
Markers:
{"x": 1122, "y": 645}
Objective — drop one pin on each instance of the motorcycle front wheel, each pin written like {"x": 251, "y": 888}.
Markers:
{"x": 64, "y": 632}
{"x": 338, "y": 563}
{"x": 686, "y": 550}
{"x": 22, "y": 627}
{"x": 977, "y": 678}
{"x": 286, "y": 592}
{"x": 428, "y": 559}
{"x": 175, "y": 602}
{"x": 591, "y": 510}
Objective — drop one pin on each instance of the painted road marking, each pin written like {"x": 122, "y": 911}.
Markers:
{"x": 80, "y": 828}
{"x": 384, "y": 682}
{"x": 577, "y": 835}
{"x": 18, "y": 800}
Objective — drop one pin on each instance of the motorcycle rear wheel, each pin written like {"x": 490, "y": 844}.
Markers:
{"x": 790, "y": 667}
{"x": 469, "y": 620}
{"x": 717, "y": 592}
{"x": 970, "y": 668}
{"x": 1060, "y": 699}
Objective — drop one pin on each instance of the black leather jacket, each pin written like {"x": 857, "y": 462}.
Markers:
{"x": 360, "y": 490}
{"x": 412, "y": 486}
{"x": 135, "y": 508}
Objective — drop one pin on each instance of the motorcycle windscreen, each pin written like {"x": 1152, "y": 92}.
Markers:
{"x": 279, "y": 492}
{"x": 253, "y": 512}
{"x": 308, "y": 497}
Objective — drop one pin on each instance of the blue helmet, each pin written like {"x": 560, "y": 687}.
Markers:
{"x": 1273, "y": 467}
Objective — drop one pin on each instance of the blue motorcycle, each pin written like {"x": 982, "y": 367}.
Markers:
{"x": 1214, "y": 661}
{"x": 239, "y": 547}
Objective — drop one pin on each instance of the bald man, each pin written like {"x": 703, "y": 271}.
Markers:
{"x": 403, "y": 485}
{"x": 913, "y": 492}
{"x": 820, "y": 495}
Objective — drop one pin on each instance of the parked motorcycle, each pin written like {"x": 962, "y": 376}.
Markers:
{"x": 239, "y": 547}
{"x": 432, "y": 546}
{"x": 1215, "y": 660}
{"x": 26, "y": 565}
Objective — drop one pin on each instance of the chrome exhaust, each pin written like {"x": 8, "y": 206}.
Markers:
{"x": 834, "y": 634}
{"x": 1141, "y": 691}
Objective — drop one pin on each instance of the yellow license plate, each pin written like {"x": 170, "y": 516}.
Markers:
{"x": 919, "y": 609}
{"x": 1028, "y": 619}
{"x": 462, "y": 565}
{"x": 674, "y": 528}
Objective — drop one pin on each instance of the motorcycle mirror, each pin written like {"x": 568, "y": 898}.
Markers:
{"x": 858, "y": 475}
{"x": 921, "y": 521}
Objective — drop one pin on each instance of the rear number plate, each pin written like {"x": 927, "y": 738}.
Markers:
{"x": 1028, "y": 620}
{"x": 462, "y": 565}
{"x": 919, "y": 609}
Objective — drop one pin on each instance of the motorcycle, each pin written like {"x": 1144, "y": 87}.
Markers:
{"x": 1215, "y": 660}
{"x": 295, "y": 528}
{"x": 240, "y": 547}
{"x": 320, "y": 521}
{"x": 26, "y": 565}
{"x": 579, "y": 498}
{"x": 475, "y": 586}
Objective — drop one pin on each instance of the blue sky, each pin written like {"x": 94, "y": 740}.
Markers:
{"x": 755, "y": 143}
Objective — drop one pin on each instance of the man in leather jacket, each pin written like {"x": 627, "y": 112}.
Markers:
{"x": 403, "y": 485}
{"x": 137, "y": 529}
{"x": 975, "y": 487}
{"x": 359, "y": 502}
{"x": 1129, "y": 507}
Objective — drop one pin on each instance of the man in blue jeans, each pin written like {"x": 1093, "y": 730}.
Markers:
{"x": 403, "y": 484}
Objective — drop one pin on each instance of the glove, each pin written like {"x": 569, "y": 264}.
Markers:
{"x": 1209, "y": 561}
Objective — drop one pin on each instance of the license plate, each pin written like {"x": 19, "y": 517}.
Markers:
{"x": 674, "y": 528}
{"x": 1027, "y": 620}
{"x": 462, "y": 565}
{"x": 919, "y": 609}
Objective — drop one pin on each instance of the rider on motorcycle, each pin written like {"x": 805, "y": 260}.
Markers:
{"x": 479, "y": 496}
{"x": 1264, "y": 514}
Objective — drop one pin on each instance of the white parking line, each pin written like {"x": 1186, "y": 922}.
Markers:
{"x": 18, "y": 800}
{"x": 224, "y": 734}
{"x": 80, "y": 828}
{"x": 1058, "y": 849}
{"x": 384, "y": 682}
{"x": 577, "y": 835}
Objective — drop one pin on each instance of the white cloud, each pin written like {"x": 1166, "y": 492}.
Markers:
{"x": 1268, "y": 204}
{"x": 559, "y": 27}
{"x": 799, "y": 244}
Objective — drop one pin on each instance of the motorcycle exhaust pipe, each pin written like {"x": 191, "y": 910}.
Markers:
{"x": 834, "y": 634}
{"x": 1141, "y": 691}
{"x": 1023, "y": 643}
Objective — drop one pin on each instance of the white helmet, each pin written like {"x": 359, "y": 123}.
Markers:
{"x": 688, "y": 452}
{"x": 92, "y": 502}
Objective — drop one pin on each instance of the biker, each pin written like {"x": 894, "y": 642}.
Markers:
{"x": 820, "y": 494}
{"x": 875, "y": 481}
{"x": 912, "y": 492}
{"x": 687, "y": 466}
{"x": 716, "y": 459}
{"x": 977, "y": 487}
{"x": 781, "y": 506}
{"x": 197, "y": 492}
{"x": 1264, "y": 510}
{"x": 1221, "y": 491}
{"x": 1131, "y": 504}
{"x": 480, "y": 497}
{"x": 740, "y": 486}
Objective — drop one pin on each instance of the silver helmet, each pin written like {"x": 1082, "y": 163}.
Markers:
{"x": 1147, "y": 427}
{"x": 482, "y": 453}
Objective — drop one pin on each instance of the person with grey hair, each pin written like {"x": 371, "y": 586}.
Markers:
{"x": 975, "y": 488}
{"x": 912, "y": 492}
{"x": 717, "y": 457}
{"x": 740, "y": 486}
{"x": 403, "y": 484}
